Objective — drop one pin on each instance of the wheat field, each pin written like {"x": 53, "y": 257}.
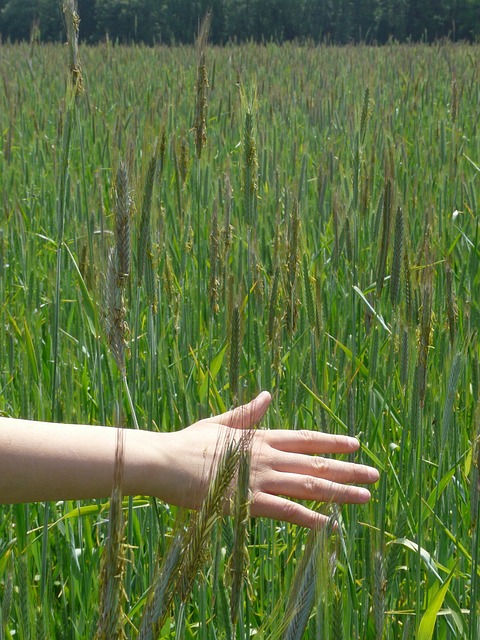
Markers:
{"x": 299, "y": 219}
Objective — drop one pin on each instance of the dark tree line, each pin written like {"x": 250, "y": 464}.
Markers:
{"x": 176, "y": 21}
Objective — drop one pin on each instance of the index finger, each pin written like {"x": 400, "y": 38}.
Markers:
{"x": 244, "y": 416}
{"x": 310, "y": 442}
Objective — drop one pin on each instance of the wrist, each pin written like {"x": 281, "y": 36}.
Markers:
{"x": 145, "y": 462}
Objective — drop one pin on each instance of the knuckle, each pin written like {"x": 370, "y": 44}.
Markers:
{"x": 331, "y": 491}
{"x": 341, "y": 493}
{"x": 358, "y": 472}
{"x": 320, "y": 465}
{"x": 289, "y": 509}
{"x": 306, "y": 436}
{"x": 311, "y": 486}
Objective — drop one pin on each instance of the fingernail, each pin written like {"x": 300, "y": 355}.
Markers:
{"x": 364, "y": 495}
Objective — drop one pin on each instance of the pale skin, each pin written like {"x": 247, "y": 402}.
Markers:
{"x": 43, "y": 461}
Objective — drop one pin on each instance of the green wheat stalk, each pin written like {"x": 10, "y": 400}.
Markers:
{"x": 235, "y": 342}
{"x": 201, "y": 87}
{"x": 110, "y": 625}
{"x": 385, "y": 237}
{"x": 397, "y": 260}
{"x": 379, "y": 590}
{"x": 239, "y": 558}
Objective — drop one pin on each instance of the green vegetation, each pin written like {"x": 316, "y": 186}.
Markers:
{"x": 176, "y": 21}
{"x": 305, "y": 223}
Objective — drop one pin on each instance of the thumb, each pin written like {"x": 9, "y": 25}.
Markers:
{"x": 245, "y": 416}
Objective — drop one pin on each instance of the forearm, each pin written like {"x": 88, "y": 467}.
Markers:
{"x": 42, "y": 461}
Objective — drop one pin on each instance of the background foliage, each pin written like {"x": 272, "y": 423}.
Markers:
{"x": 169, "y": 21}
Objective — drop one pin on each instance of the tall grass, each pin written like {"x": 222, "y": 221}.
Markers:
{"x": 308, "y": 245}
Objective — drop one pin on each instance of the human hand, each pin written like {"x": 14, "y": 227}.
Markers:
{"x": 285, "y": 465}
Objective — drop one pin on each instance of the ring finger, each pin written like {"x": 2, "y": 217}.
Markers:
{"x": 307, "y": 487}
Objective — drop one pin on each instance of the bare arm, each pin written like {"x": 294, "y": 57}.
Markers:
{"x": 45, "y": 461}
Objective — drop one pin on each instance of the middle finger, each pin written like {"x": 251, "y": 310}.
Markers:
{"x": 327, "y": 468}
